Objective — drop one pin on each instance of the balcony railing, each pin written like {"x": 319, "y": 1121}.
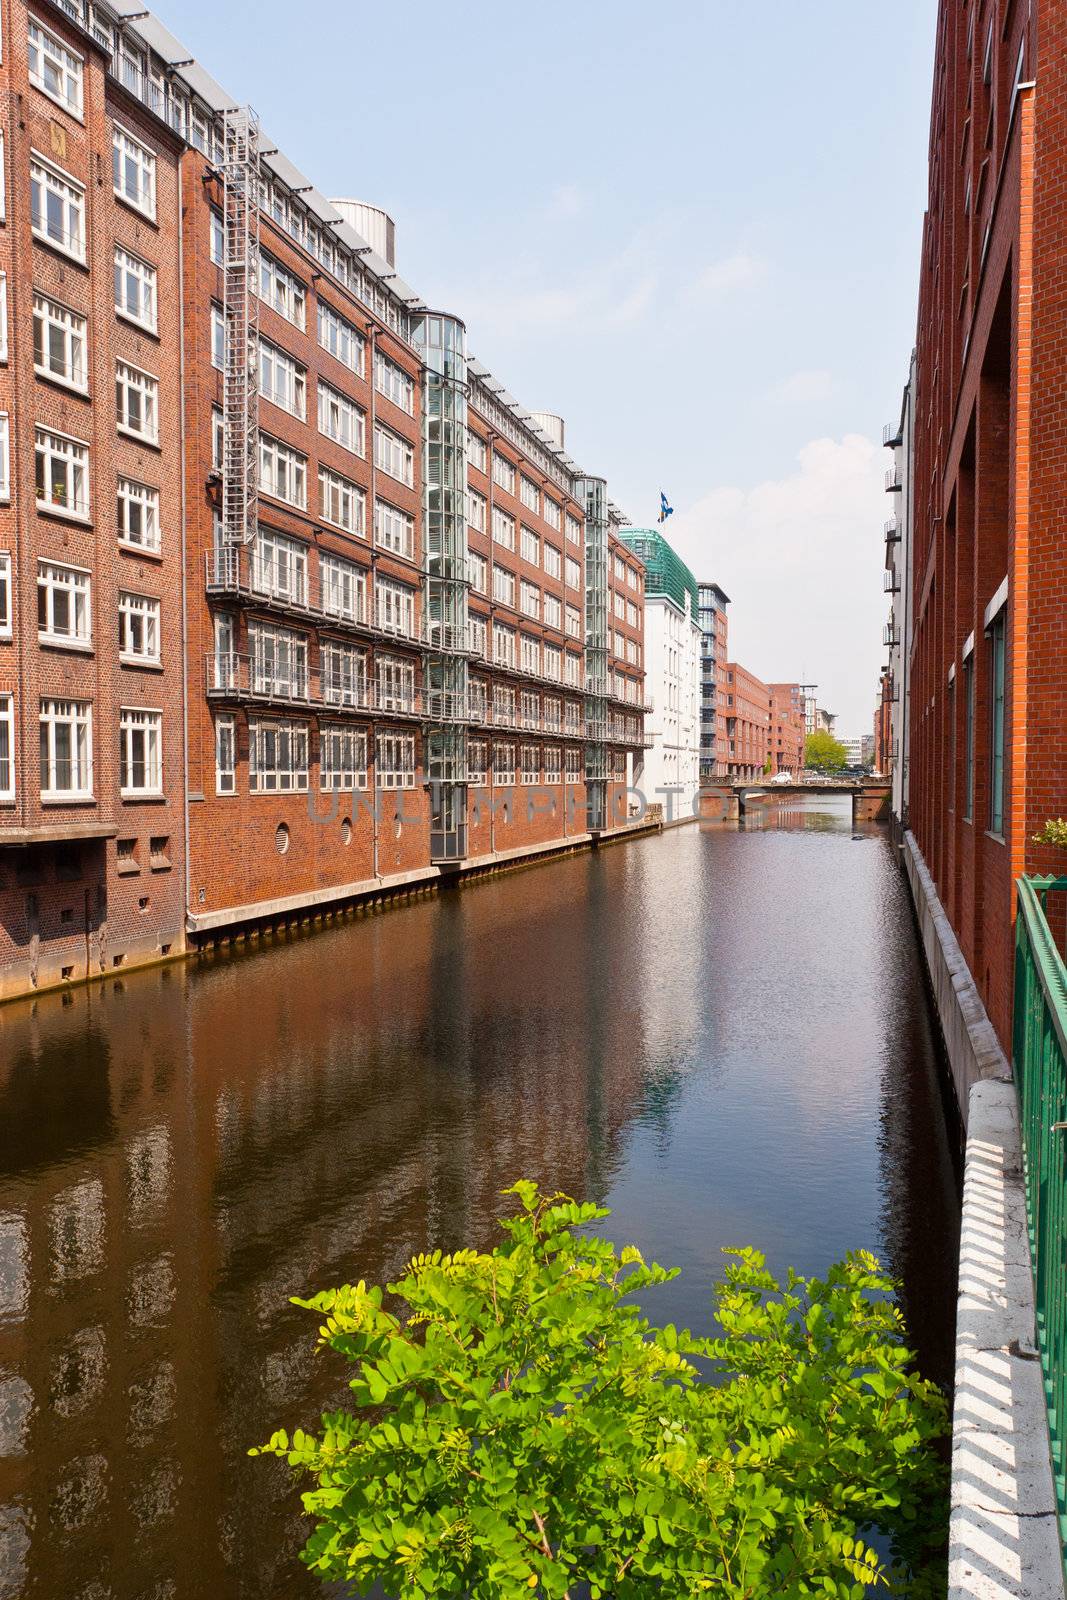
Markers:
{"x": 1039, "y": 1060}
{"x": 891, "y": 532}
{"x": 892, "y": 434}
{"x": 891, "y": 582}
{"x": 283, "y": 586}
{"x": 890, "y": 636}
{"x": 894, "y": 479}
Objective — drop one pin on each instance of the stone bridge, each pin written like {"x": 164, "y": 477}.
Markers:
{"x": 728, "y": 802}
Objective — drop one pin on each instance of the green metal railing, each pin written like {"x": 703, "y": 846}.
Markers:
{"x": 1039, "y": 1058}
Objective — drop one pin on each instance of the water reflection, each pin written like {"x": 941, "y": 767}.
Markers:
{"x": 722, "y": 1033}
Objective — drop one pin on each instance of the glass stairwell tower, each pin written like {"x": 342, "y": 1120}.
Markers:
{"x": 441, "y": 342}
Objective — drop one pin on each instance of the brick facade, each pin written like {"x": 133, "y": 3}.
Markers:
{"x": 747, "y": 720}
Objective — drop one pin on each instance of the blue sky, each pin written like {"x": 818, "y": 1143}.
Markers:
{"x": 691, "y": 229}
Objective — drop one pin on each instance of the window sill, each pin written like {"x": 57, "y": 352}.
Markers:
{"x": 132, "y": 549}
{"x": 151, "y": 328}
{"x": 137, "y": 796}
{"x": 139, "y": 438}
{"x": 66, "y": 384}
{"x": 138, "y": 211}
{"x": 73, "y": 799}
{"x": 146, "y": 663}
{"x": 53, "y": 99}
{"x": 52, "y": 641}
{"x": 48, "y": 508}
{"x": 59, "y": 248}
{"x": 997, "y": 838}
{"x": 159, "y": 866}
{"x": 127, "y": 869}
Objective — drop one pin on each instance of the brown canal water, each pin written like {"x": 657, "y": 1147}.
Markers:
{"x": 724, "y": 1035}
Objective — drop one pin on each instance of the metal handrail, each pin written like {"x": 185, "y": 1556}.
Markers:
{"x": 1039, "y": 1061}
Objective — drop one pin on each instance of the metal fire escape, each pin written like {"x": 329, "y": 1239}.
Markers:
{"x": 240, "y": 389}
{"x": 594, "y": 492}
{"x": 442, "y": 344}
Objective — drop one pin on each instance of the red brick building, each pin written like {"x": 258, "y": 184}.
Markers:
{"x": 747, "y": 719}
{"x": 384, "y": 602}
{"x": 91, "y": 757}
{"x": 787, "y": 727}
{"x": 883, "y": 725}
{"x": 987, "y": 688}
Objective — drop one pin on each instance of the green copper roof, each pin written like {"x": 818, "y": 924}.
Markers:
{"x": 665, "y": 571}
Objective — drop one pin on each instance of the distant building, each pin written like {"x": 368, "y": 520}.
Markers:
{"x": 747, "y": 720}
{"x": 867, "y": 749}
{"x": 713, "y": 740}
{"x": 672, "y": 670}
{"x": 816, "y": 719}
{"x": 853, "y": 751}
{"x": 788, "y": 727}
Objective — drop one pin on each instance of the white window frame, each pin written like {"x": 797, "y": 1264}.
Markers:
{"x": 58, "y": 580}
{"x": 572, "y": 573}
{"x": 394, "y": 529}
{"x": 503, "y": 472}
{"x": 342, "y": 673}
{"x": 552, "y": 513}
{"x": 341, "y": 339}
{"x": 130, "y": 268}
{"x": 282, "y": 380}
{"x": 394, "y": 383}
{"x": 131, "y": 380}
{"x": 73, "y": 329}
{"x": 139, "y": 614}
{"x": 476, "y": 451}
{"x": 141, "y": 726}
{"x": 48, "y": 48}
{"x": 225, "y": 753}
{"x": 394, "y": 760}
{"x": 503, "y": 645}
{"x": 504, "y": 586}
{"x": 394, "y": 678}
{"x": 279, "y": 464}
{"x": 3, "y": 314}
{"x": 75, "y": 454}
{"x": 343, "y": 587}
{"x": 131, "y": 493}
{"x": 7, "y": 747}
{"x": 341, "y": 420}
{"x": 7, "y": 596}
{"x": 394, "y": 607}
{"x": 342, "y": 757}
{"x": 477, "y": 761}
{"x": 503, "y": 762}
{"x": 476, "y": 508}
{"x": 394, "y": 455}
{"x": 553, "y": 764}
{"x": 530, "y": 763}
{"x": 127, "y": 152}
{"x": 479, "y": 571}
{"x": 77, "y": 715}
{"x": 269, "y": 740}
{"x": 5, "y": 457}
{"x": 279, "y": 660}
{"x": 553, "y": 561}
{"x": 281, "y": 290}
{"x": 503, "y": 528}
{"x": 553, "y": 611}
{"x": 573, "y": 530}
{"x": 279, "y": 566}
{"x": 529, "y": 545}
{"x": 529, "y": 493}
{"x": 530, "y": 600}
{"x": 48, "y": 177}
{"x": 342, "y": 503}
{"x": 218, "y": 338}
{"x": 553, "y": 662}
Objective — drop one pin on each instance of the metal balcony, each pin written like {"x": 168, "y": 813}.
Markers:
{"x": 891, "y": 582}
{"x": 891, "y": 532}
{"x": 239, "y": 573}
{"x": 894, "y": 480}
{"x": 892, "y": 435}
{"x": 890, "y": 636}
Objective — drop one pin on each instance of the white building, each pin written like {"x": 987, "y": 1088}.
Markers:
{"x": 672, "y": 675}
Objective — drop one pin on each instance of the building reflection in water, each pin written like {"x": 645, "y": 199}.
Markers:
{"x": 181, "y": 1151}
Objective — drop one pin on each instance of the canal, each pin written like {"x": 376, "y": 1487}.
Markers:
{"x": 723, "y": 1034}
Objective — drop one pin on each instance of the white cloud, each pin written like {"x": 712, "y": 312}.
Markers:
{"x": 800, "y": 557}
{"x": 805, "y": 388}
{"x": 723, "y": 278}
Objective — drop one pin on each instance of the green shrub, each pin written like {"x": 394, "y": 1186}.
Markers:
{"x": 520, "y": 1429}
{"x": 1053, "y": 832}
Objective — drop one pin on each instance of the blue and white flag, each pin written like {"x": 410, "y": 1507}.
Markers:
{"x": 665, "y": 508}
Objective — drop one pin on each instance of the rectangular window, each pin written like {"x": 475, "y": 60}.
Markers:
{"x": 277, "y": 756}
{"x": 552, "y": 513}
{"x": 218, "y": 338}
{"x": 503, "y": 645}
{"x": 280, "y": 290}
{"x": 475, "y": 450}
{"x": 574, "y": 622}
{"x": 504, "y": 762}
{"x": 280, "y": 566}
{"x": 66, "y": 750}
{"x": 54, "y": 68}
{"x": 476, "y": 510}
{"x": 503, "y": 472}
{"x": 138, "y": 628}
{"x": 395, "y": 761}
{"x": 968, "y": 738}
{"x": 531, "y": 764}
{"x": 530, "y": 546}
{"x": 478, "y": 634}
{"x": 394, "y": 530}
{"x": 477, "y": 751}
{"x": 57, "y": 208}
{"x": 997, "y": 650}
{"x": 138, "y": 514}
{"x": 553, "y": 662}
{"x": 135, "y": 289}
{"x": 218, "y": 239}
{"x": 343, "y": 588}
{"x": 133, "y": 171}
{"x": 553, "y": 711}
{"x": 59, "y": 343}
{"x": 5, "y": 457}
{"x": 344, "y": 674}
{"x": 341, "y": 419}
{"x": 574, "y": 530}
{"x": 279, "y": 661}
{"x": 503, "y": 528}
{"x": 282, "y": 472}
{"x": 394, "y": 455}
{"x": 342, "y": 757}
{"x": 530, "y": 599}
{"x": 396, "y": 683}
{"x": 504, "y": 586}
{"x": 553, "y": 561}
{"x": 553, "y": 612}
{"x": 553, "y": 771}
{"x": 282, "y": 380}
{"x": 529, "y": 493}
{"x": 573, "y": 571}
{"x": 340, "y": 338}
{"x": 574, "y": 766}
{"x": 572, "y": 722}
{"x": 7, "y": 747}
{"x": 394, "y": 383}
{"x": 225, "y": 754}
{"x": 140, "y": 751}
{"x": 529, "y": 653}
{"x": 342, "y": 502}
{"x": 64, "y": 610}
{"x": 479, "y": 571}
{"x": 478, "y": 700}
{"x": 503, "y": 704}
{"x": 394, "y": 607}
{"x": 6, "y": 605}
{"x": 137, "y": 402}
{"x": 572, "y": 671}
